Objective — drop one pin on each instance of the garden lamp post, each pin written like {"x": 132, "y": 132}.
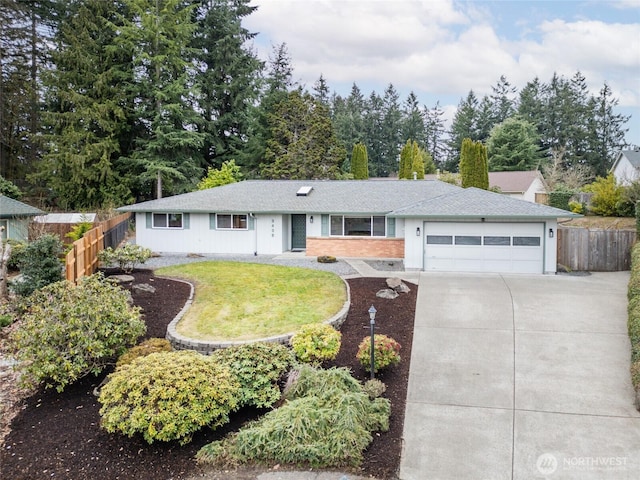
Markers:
{"x": 372, "y": 322}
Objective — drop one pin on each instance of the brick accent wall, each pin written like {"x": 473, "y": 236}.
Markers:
{"x": 365, "y": 247}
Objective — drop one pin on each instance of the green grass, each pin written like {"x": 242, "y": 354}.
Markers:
{"x": 245, "y": 301}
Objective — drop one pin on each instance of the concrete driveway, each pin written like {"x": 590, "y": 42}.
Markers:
{"x": 521, "y": 377}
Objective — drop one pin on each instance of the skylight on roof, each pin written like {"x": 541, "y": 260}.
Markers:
{"x": 304, "y": 191}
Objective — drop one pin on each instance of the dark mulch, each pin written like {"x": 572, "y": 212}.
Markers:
{"x": 58, "y": 435}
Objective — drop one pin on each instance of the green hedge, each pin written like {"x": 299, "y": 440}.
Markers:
{"x": 633, "y": 322}
{"x": 560, "y": 199}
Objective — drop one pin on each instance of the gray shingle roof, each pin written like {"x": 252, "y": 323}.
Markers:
{"x": 633, "y": 156}
{"x": 477, "y": 203}
{"x": 400, "y": 198}
{"x": 279, "y": 196}
{"x": 10, "y": 208}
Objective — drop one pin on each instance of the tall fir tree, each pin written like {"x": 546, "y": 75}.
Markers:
{"x": 227, "y": 81}
{"x": 168, "y": 156}
{"x": 412, "y": 121}
{"x": 374, "y": 133}
{"x": 87, "y": 121}
{"x": 435, "y": 132}
{"x": 360, "y": 162}
{"x": 513, "y": 145}
{"x": 390, "y": 140}
{"x": 464, "y": 125}
{"x": 303, "y": 144}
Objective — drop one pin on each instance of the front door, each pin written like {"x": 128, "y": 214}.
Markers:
{"x": 298, "y": 232}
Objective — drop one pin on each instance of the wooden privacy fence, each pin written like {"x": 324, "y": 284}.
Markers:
{"x": 82, "y": 259}
{"x": 595, "y": 250}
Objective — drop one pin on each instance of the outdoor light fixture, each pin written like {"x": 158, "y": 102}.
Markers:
{"x": 372, "y": 322}
{"x": 311, "y": 219}
{"x": 551, "y": 233}
{"x": 418, "y": 232}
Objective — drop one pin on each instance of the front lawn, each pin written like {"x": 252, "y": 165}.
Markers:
{"x": 244, "y": 301}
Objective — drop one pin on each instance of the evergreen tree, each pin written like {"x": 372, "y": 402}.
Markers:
{"x": 502, "y": 100}
{"x": 302, "y": 144}
{"x": 360, "y": 162}
{"x": 473, "y": 165}
{"x": 412, "y": 122}
{"x": 406, "y": 161}
{"x": 227, "y": 80}
{"x": 513, "y": 145}
{"x": 464, "y": 125}
{"x": 228, "y": 173}
{"x": 348, "y": 118}
{"x": 321, "y": 90}
{"x": 87, "y": 119}
{"x": 374, "y": 131}
{"x": 607, "y": 132}
{"x": 390, "y": 140}
{"x": 169, "y": 152}
{"x": 434, "y": 135}
{"x": 417, "y": 162}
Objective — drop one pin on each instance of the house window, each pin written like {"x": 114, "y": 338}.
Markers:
{"x": 526, "y": 241}
{"x": 231, "y": 222}
{"x": 167, "y": 220}
{"x": 371, "y": 226}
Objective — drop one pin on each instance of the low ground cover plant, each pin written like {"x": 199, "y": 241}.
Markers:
{"x": 125, "y": 257}
{"x": 258, "y": 367}
{"x": 168, "y": 396}
{"x": 316, "y": 343}
{"x": 386, "y": 352}
{"x": 326, "y": 421}
{"x": 67, "y": 332}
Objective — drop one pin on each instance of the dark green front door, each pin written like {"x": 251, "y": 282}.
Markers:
{"x": 298, "y": 232}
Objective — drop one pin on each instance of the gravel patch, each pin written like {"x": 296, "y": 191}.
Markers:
{"x": 340, "y": 267}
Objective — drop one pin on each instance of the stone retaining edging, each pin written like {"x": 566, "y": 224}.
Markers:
{"x": 180, "y": 342}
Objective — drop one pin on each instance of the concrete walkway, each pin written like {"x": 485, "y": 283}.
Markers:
{"x": 521, "y": 377}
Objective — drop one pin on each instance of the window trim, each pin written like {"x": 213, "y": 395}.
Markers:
{"x": 371, "y": 225}
{"x": 232, "y": 219}
{"x": 167, "y": 225}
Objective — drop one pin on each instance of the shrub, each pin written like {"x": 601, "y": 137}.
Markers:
{"x": 17, "y": 254}
{"x": 5, "y": 320}
{"x": 39, "y": 265}
{"x": 560, "y": 198}
{"x": 374, "y": 388}
{"x": 316, "y": 342}
{"x": 326, "y": 422}
{"x": 386, "y": 352}
{"x": 149, "y": 346}
{"x": 126, "y": 257}
{"x": 77, "y": 232}
{"x": 633, "y": 319}
{"x": 576, "y": 207}
{"x": 168, "y": 396}
{"x": 258, "y": 367}
{"x": 607, "y": 195}
{"x": 68, "y": 332}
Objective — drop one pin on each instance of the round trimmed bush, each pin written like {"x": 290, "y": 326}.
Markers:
{"x": 149, "y": 346}
{"x": 316, "y": 342}
{"x": 69, "y": 331}
{"x": 258, "y": 367}
{"x": 168, "y": 396}
{"x": 386, "y": 352}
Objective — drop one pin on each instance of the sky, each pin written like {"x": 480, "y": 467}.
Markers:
{"x": 441, "y": 49}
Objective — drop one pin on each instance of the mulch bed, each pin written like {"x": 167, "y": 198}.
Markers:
{"x": 58, "y": 435}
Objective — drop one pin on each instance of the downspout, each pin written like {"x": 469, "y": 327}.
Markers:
{"x": 255, "y": 234}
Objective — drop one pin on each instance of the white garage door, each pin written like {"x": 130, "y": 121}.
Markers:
{"x": 484, "y": 247}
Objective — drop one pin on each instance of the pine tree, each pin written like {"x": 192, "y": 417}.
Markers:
{"x": 390, "y": 140}
{"x": 228, "y": 80}
{"x": 360, "y": 162}
{"x": 417, "y": 162}
{"x": 473, "y": 165}
{"x": 513, "y": 145}
{"x": 464, "y": 125}
{"x": 434, "y": 135}
{"x": 87, "y": 120}
{"x": 302, "y": 143}
{"x": 321, "y": 90}
{"x": 406, "y": 161}
{"x": 412, "y": 122}
{"x": 374, "y": 133}
{"x": 169, "y": 153}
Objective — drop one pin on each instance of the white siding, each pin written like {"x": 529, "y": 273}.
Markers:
{"x": 624, "y": 172}
{"x": 200, "y": 238}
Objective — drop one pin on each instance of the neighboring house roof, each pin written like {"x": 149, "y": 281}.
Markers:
{"x": 633, "y": 156}
{"x": 477, "y": 203}
{"x": 402, "y": 197}
{"x": 10, "y": 208}
{"x": 514, "y": 182}
{"x": 66, "y": 218}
